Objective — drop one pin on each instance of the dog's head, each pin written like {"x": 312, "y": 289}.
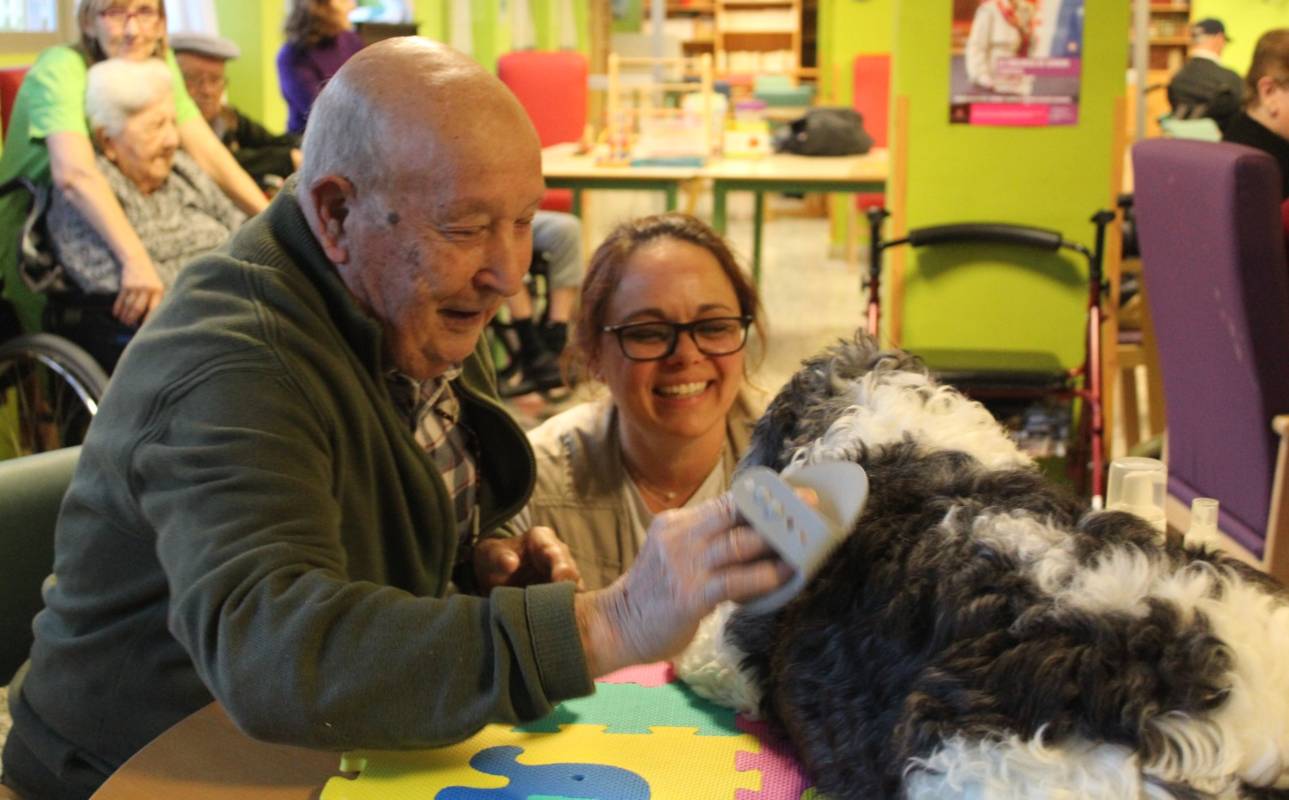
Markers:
{"x": 854, "y": 398}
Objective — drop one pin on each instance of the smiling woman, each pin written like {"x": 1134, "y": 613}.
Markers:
{"x": 665, "y": 315}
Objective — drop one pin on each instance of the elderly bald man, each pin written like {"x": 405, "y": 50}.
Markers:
{"x": 286, "y": 502}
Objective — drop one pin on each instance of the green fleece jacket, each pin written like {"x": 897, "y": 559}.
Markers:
{"x": 252, "y": 520}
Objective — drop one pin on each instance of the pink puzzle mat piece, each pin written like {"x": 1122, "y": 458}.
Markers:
{"x": 781, "y": 775}
{"x": 647, "y": 675}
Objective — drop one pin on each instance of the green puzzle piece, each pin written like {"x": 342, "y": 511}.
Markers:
{"x": 631, "y": 708}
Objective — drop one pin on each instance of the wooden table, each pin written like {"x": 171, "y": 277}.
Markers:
{"x": 564, "y": 168}
{"x": 790, "y": 173}
{"x": 205, "y": 757}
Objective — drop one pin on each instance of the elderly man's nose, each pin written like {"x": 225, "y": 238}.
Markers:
{"x": 507, "y": 263}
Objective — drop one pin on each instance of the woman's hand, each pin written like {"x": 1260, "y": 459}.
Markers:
{"x": 692, "y": 559}
{"x": 141, "y": 291}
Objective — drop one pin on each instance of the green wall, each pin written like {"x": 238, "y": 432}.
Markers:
{"x": 1053, "y": 177}
{"x": 491, "y": 27}
{"x": 16, "y": 59}
{"x": 252, "y": 78}
{"x": 848, "y": 28}
{"x": 1245, "y": 21}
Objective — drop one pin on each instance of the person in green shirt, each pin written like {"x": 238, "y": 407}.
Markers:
{"x": 48, "y": 142}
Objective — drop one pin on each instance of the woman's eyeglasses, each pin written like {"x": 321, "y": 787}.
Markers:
{"x": 117, "y": 16}
{"x": 653, "y": 341}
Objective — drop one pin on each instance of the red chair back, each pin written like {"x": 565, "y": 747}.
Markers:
{"x": 551, "y": 86}
{"x": 871, "y": 97}
{"x": 10, "y": 80}
{"x": 871, "y": 94}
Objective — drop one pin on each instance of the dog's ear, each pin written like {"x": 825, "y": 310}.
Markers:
{"x": 783, "y": 425}
{"x": 769, "y": 437}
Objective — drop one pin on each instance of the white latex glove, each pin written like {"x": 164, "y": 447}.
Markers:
{"x": 692, "y": 560}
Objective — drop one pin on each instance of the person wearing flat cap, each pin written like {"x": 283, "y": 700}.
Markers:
{"x": 1203, "y": 87}
{"x": 266, "y": 156}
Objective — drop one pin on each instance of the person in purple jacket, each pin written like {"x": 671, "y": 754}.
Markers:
{"x": 319, "y": 38}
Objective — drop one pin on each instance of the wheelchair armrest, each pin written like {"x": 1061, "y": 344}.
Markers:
{"x": 986, "y": 233}
{"x": 16, "y": 183}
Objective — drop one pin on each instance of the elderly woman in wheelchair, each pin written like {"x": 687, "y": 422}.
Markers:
{"x": 175, "y": 208}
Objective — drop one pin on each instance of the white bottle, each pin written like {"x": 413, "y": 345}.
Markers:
{"x": 1203, "y": 528}
{"x": 1138, "y": 486}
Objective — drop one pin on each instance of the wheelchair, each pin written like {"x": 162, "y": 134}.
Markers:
{"x": 504, "y": 340}
{"x": 50, "y": 388}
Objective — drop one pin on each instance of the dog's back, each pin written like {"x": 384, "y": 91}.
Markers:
{"x": 981, "y": 634}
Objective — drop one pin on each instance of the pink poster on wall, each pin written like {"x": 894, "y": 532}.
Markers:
{"x": 1016, "y": 62}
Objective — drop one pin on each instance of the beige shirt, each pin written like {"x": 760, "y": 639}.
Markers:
{"x": 583, "y": 491}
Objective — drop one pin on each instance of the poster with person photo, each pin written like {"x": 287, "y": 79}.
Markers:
{"x": 1016, "y": 62}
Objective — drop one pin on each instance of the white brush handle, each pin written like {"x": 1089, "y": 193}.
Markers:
{"x": 803, "y": 537}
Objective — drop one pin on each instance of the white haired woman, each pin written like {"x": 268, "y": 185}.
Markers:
{"x": 47, "y": 141}
{"x": 177, "y": 211}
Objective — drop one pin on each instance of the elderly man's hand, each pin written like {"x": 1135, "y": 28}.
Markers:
{"x": 538, "y": 556}
{"x": 141, "y": 290}
{"x": 692, "y": 560}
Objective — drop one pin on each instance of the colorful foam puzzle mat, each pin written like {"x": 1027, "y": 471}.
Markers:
{"x": 643, "y": 735}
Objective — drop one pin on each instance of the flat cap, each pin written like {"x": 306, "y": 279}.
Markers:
{"x": 205, "y": 44}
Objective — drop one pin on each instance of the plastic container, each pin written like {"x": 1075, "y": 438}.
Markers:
{"x": 1138, "y": 486}
{"x": 1203, "y": 528}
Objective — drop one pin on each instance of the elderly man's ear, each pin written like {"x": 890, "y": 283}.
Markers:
{"x": 333, "y": 199}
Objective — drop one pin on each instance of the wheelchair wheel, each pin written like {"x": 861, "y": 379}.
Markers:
{"x": 49, "y": 392}
{"x": 503, "y": 340}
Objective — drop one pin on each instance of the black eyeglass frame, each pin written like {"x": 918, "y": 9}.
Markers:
{"x": 745, "y": 321}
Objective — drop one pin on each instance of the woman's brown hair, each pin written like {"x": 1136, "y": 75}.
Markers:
{"x": 305, "y": 26}
{"x": 1270, "y": 60}
{"x": 89, "y": 9}
{"x": 610, "y": 260}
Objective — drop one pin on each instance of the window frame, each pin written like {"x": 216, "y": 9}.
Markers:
{"x": 15, "y": 42}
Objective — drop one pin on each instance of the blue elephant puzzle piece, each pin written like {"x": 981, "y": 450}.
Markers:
{"x": 571, "y": 781}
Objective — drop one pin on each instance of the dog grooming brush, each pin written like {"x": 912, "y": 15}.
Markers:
{"x": 803, "y": 537}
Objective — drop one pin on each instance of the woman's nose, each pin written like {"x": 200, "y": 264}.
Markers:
{"x": 686, "y": 350}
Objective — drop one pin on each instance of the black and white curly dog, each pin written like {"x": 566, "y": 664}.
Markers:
{"x": 981, "y": 634}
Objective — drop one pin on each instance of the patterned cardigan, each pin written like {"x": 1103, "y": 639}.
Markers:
{"x": 187, "y": 216}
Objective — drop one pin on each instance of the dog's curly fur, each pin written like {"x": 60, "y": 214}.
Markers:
{"x": 981, "y": 634}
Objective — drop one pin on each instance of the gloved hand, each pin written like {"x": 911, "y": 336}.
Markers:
{"x": 692, "y": 560}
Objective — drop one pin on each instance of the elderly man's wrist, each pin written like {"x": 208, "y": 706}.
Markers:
{"x": 597, "y": 625}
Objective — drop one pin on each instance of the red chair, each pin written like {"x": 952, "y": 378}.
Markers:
{"x": 10, "y": 80}
{"x": 551, "y": 86}
{"x": 871, "y": 95}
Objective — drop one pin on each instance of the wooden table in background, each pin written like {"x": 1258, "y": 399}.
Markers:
{"x": 205, "y": 757}
{"x": 563, "y": 168}
{"x": 790, "y": 173}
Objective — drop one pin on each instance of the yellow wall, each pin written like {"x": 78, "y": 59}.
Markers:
{"x": 1052, "y": 177}
{"x": 1245, "y": 21}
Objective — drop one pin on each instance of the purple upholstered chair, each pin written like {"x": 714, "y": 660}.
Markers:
{"x": 1213, "y": 258}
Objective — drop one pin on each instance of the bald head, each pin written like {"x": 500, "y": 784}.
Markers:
{"x": 420, "y": 180}
{"x": 402, "y": 101}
